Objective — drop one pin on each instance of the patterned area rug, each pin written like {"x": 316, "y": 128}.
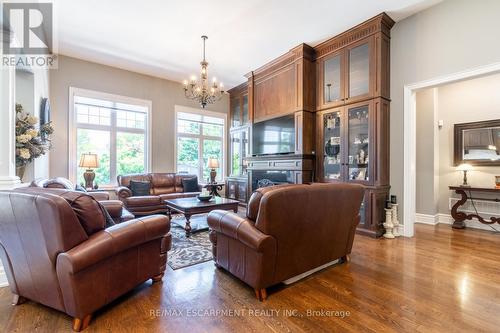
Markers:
{"x": 188, "y": 251}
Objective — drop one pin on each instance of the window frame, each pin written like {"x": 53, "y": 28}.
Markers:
{"x": 201, "y": 137}
{"x": 112, "y": 128}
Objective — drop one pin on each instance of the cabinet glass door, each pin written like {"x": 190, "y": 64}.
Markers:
{"x": 331, "y": 80}
{"x": 358, "y": 143}
{"x": 359, "y": 70}
{"x": 235, "y": 153}
{"x": 332, "y": 165}
{"x": 244, "y": 114}
{"x": 245, "y": 149}
{"x": 235, "y": 112}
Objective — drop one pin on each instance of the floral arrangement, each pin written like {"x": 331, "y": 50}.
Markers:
{"x": 31, "y": 142}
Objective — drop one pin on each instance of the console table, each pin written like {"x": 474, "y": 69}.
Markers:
{"x": 465, "y": 193}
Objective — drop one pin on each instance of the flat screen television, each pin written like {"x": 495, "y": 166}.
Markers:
{"x": 274, "y": 136}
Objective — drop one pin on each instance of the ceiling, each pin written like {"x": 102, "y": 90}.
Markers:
{"x": 162, "y": 38}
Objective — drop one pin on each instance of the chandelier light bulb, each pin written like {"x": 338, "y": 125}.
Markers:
{"x": 185, "y": 82}
{"x": 193, "y": 78}
{"x": 214, "y": 80}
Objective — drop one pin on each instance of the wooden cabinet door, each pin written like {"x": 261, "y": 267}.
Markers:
{"x": 360, "y": 71}
{"x": 242, "y": 191}
{"x": 232, "y": 189}
{"x": 331, "y": 77}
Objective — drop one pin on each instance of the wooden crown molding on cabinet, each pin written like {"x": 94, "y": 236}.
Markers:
{"x": 380, "y": 23}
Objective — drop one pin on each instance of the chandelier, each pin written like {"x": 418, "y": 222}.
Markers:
{"x": 202, "y": 91}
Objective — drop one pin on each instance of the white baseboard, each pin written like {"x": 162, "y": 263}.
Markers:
{"x": 426, "y": 219}
{"x": 447, "y": 219}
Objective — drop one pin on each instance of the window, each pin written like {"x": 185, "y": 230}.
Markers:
{"x": 113, "y": 127}
{"x": 199, "y": 136}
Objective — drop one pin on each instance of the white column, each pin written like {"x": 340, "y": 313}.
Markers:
{"x": 8, "y": 178}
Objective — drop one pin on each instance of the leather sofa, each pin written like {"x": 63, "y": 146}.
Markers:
{"x": 57, "y": 252}
{"x": 113, "y": 207}
{"x": 288, "y": 230}
{"x": 164, "y": 186}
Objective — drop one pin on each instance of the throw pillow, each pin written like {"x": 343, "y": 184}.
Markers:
{"x": 190, "y": 184}
{"x": 139, "y": 189}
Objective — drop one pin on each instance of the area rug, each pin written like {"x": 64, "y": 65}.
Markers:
{"x": 190, "y": 251}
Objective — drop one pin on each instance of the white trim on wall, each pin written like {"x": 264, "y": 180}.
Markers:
{"x": 448, "y": 220}
{"x": 72, "y": 161}
{"x": 410, "y": 134}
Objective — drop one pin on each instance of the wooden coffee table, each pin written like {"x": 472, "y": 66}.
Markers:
{"x": 192, "y": 206}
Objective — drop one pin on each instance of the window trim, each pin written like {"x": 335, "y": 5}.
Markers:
{"x": 202, "y": 112}
{"x": 72, "y": 127}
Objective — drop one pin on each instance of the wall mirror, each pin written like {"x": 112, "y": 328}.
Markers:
{"x": 477, "y": 143}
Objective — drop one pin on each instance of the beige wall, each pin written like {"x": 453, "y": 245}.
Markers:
{"x": 462, "y": 102}
{"x": 450, "y": 37}
{"x": 427, "y": 161}
{"x": 164, "y": 95}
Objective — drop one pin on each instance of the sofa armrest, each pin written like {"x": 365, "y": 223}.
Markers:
{"x": 123, "y": 192}
{"x": 113, "y": 207}
{"x": 113, "y": 240}
{"x": 99, "y": 196}
{"x": 239, "y": 228}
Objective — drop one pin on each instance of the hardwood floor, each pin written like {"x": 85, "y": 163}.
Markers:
{"x": 442, "y": 280}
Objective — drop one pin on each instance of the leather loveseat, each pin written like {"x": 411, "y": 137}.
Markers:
{"x": 113, "y": 207}
{"x": 164, "y": 186}
{"x": 56, "y": 251}
{"x": 289, "y": 230}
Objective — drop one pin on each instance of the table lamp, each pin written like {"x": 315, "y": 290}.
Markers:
{"x": 89, "y": 161}
{"x": 213, "y": 163}
{"x": 465, "y": 167}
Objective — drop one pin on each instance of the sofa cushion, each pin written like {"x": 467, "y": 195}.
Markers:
{"x": 140, "y": 188}
{"x": 140, "y": 177}
{"x": 162, "y": 183}
{"x": 190, "y": 184}
{"x": 144, "y": 201}
{"x": 87, "y": 209}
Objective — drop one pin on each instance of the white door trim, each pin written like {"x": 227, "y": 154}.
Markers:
{"x": 410, "y": 134}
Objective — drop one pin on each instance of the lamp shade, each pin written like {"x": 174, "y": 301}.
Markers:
{"x": 213, "y": 163}
{"x": 89, "y": 161}
{"x": 464, "y": 167}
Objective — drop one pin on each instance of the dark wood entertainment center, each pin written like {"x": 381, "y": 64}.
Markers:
{"x": 339, "y": 93}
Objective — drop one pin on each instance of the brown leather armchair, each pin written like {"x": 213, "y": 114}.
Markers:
{"x": 164, "y": 186}
{"x": 56, "y": 251}
{"x": 113, "y": 207}
{"x": 288, "y": 231}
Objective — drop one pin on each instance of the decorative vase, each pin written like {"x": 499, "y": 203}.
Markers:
{"x": 395, "y": 221}
{"x": 388, "y": 224}
{"x": 20, "y": 171}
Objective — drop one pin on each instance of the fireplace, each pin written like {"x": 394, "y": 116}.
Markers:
{"x": 275, "y": 170}
{"x": 263, "y": 178}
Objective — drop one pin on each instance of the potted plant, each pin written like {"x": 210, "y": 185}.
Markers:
{"x": 31, "y": 142}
